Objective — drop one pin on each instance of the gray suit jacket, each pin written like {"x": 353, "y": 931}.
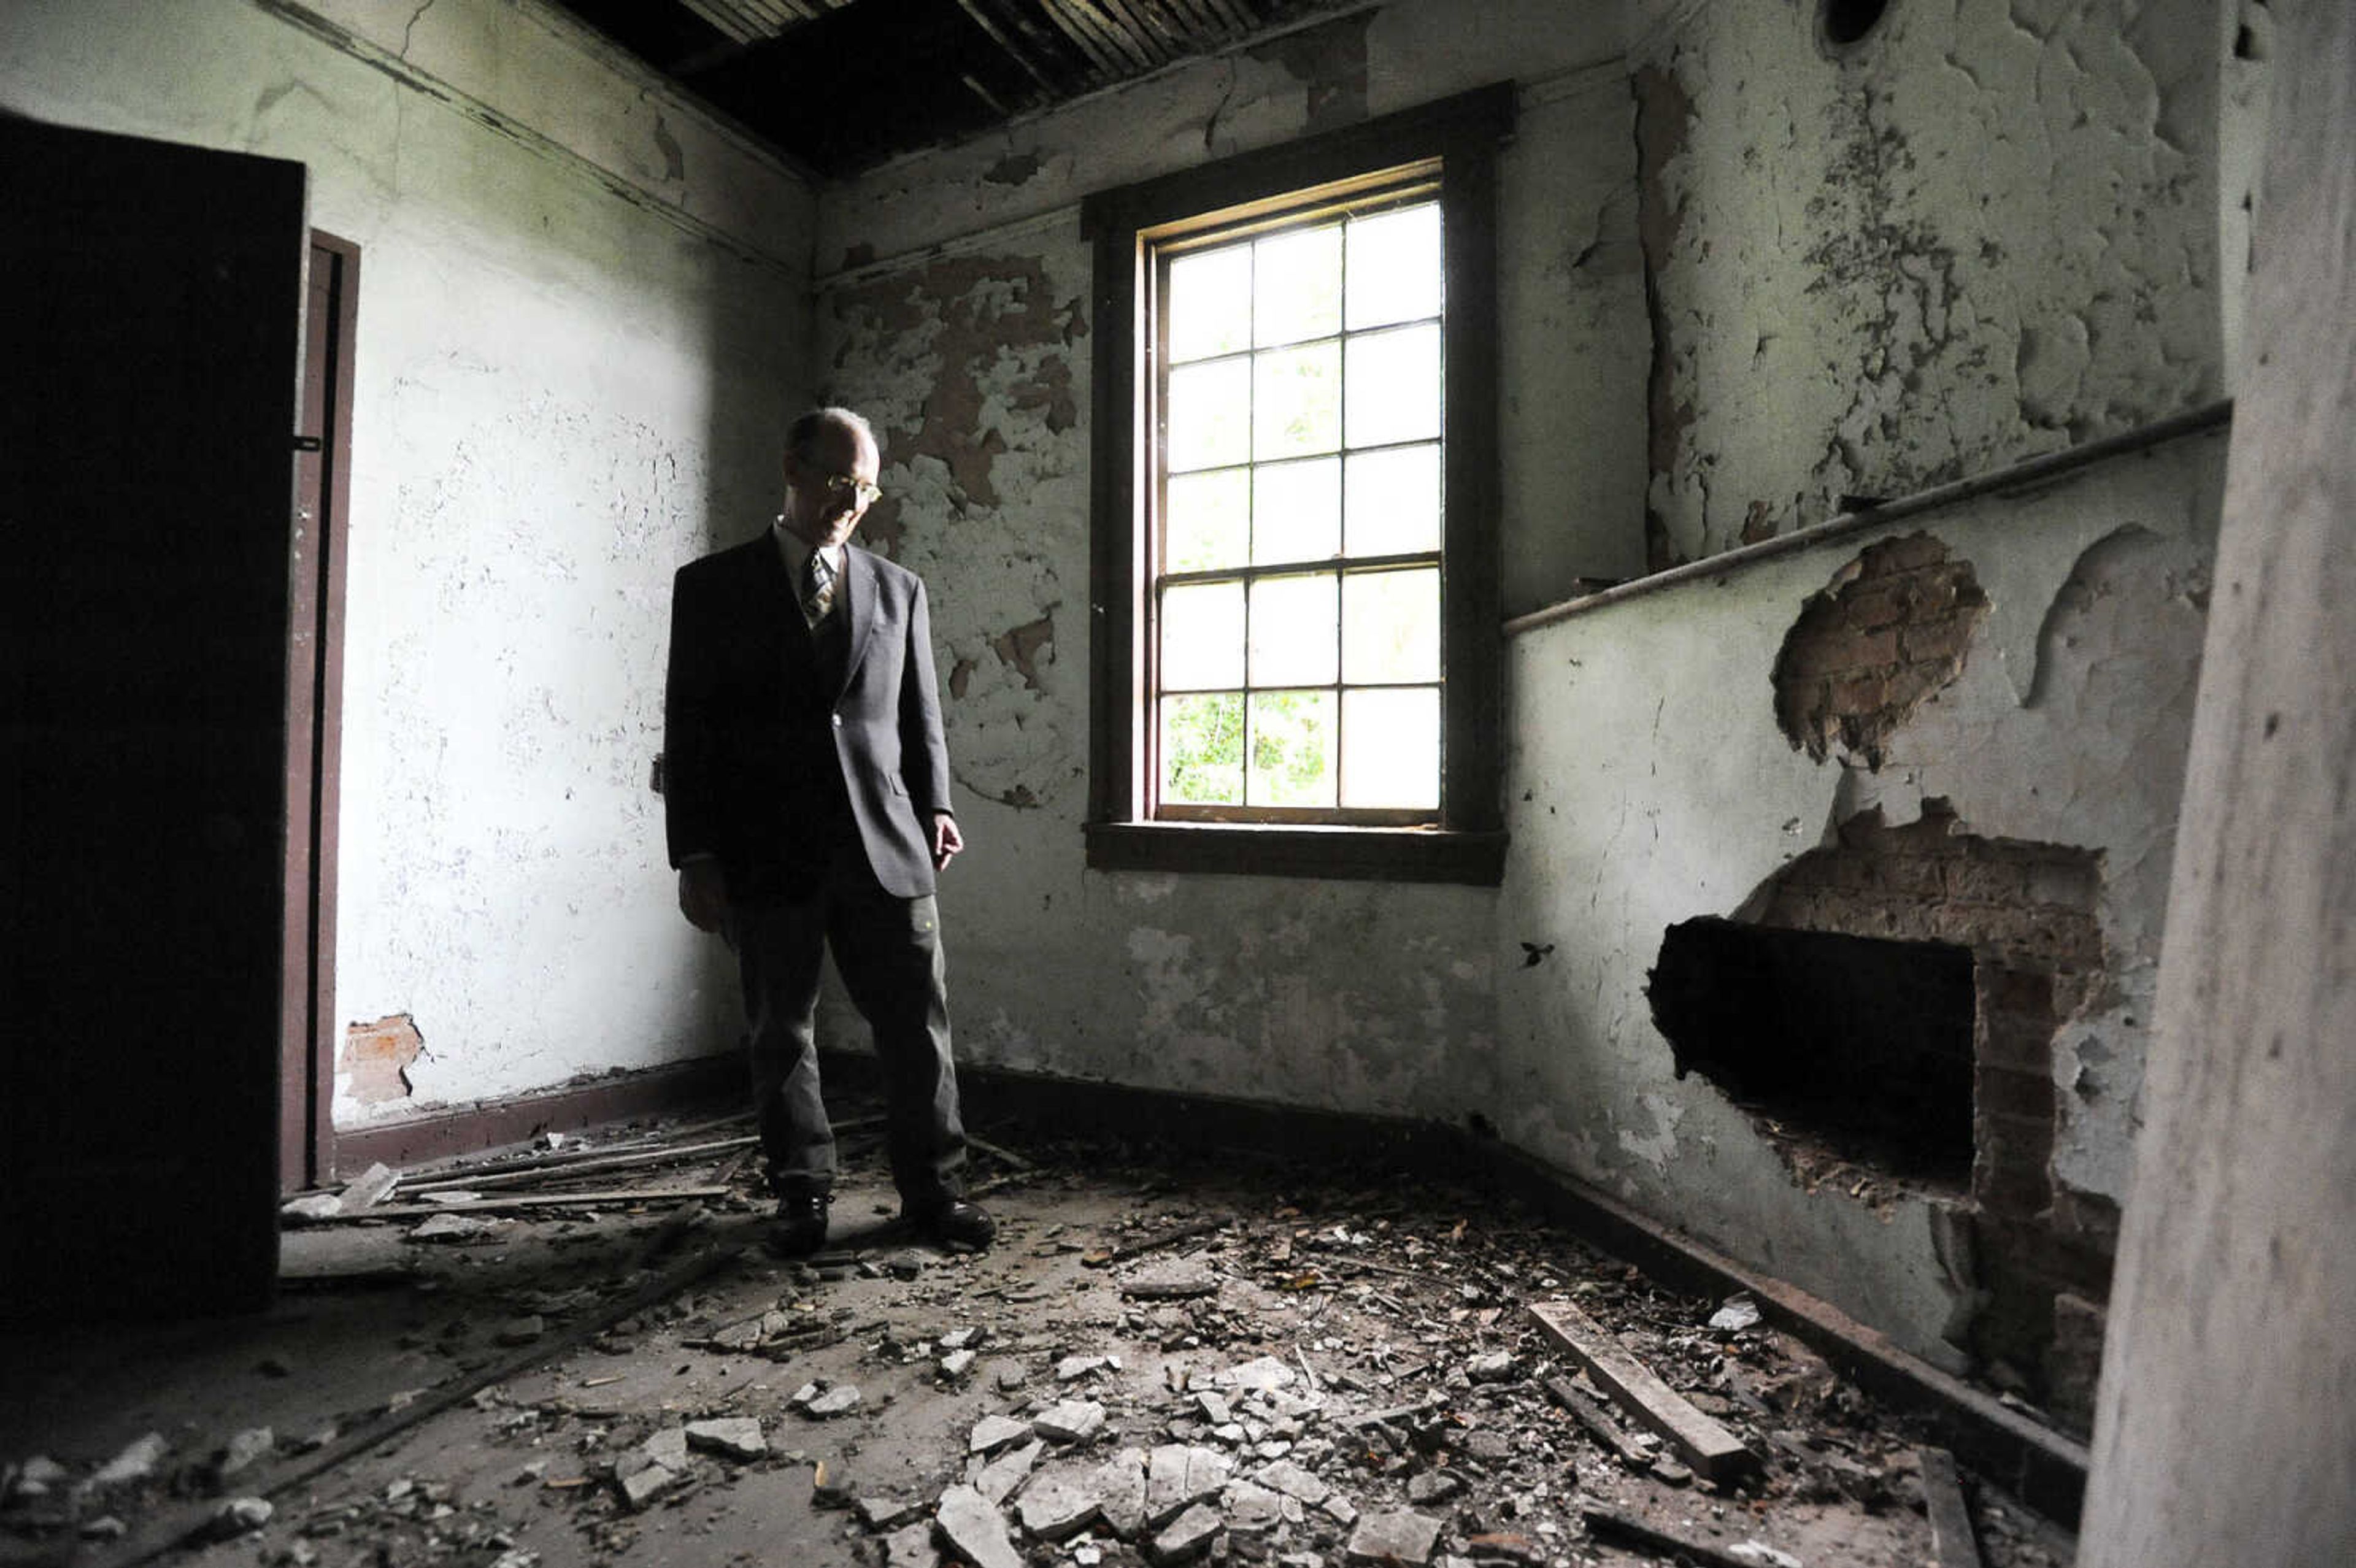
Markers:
{"x": 761, "y": 751}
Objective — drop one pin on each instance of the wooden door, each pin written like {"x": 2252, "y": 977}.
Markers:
{"x": 147, "y": 422}
{"x": 314, "y": 677}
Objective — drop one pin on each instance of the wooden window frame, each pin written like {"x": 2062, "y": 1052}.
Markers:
{"x": 1467, "y": 844}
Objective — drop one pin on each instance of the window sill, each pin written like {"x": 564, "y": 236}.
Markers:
{"x": 1383, "y": 854}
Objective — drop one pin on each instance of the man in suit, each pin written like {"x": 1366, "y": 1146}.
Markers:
{"x": 806, "y": 802}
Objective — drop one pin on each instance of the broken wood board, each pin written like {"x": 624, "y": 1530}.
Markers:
{"x": 1107, "y": 1257}
{"x": 1005, "y": 1156}
{"x": 1953, "y": 1544}
{"x": 563, "y": 1167}
{"x": 1710, "y": 1449}
{"x": 1602, "y": 1427}
{"x": 603, "y": 1198}
{"x": 609, "y": 1198}
{"x": 1612, "y": 1524}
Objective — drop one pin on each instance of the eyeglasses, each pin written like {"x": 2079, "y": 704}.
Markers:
{"x": 841, "y": 484}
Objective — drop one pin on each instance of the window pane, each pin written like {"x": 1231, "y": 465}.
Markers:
{"x": 1207, "y": 414}
{"x": 1298, "y": 286}
{"x": 1297, "y": 510}
{"x": 1210, "y": 303}
{"x": 1390, "y": 626}
{"x": 1203, "y": 749}
{"x": 1296, "y": 401}
{"x": 1291, "y": 749}
{"x": 1203, "y": 637}
{"x": 1208, "y": 521}
{"x": 1292, "y": 631}
{"x": 1390, "y": 749}
{"x": 1394, "y": 386}
{"x": 1393, "y": 502}
{"x": 1395, "y": 266}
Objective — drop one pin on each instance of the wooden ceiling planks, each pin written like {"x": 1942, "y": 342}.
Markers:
{"x": 844, "y": 84}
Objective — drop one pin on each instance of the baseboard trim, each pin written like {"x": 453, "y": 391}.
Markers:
{"x": 495, "y": 1124}
{"x": 2042, "y": 1468}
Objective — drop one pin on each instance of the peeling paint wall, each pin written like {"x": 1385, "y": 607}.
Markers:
{"x": 1987, "y": 230}
{"x": 1674, "y": 793}
{"x": 953, "y": 313}
{"x": 1571, "y": 294}
{"x": 582, "y": 319}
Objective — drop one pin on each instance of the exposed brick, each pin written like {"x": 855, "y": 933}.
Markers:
{"x": 2015, "y": 1044}
{"x": 1873, "y": 607}
{"x": 1859, "y": 694}
{"x": 2074, "y": 1361}
{"x": 1864, "y": 649}
{"x": 2003, "y": 1189}
{"x": 2028, "y": 991}
{"x": 1908, "y": 554}
{"x": 2001, "y": 1092}
{"x": 1912, "y": 877}
{"x": 1986, "y": 881}
{"x": 2071, "y": 884}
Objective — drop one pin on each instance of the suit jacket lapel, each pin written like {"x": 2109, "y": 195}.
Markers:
{"x": 859, "y": 577}
{"x": 773, "y": 597}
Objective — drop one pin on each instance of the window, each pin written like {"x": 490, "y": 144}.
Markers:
{"x": 1294, "y": 499}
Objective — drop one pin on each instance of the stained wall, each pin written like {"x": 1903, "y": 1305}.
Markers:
{"x": 952, "y": 308}
{"x": 1745, "y": 274}
{"x": 582, "y": 317}
{"x": 1982, "y": 233}
{"x": 1986, "y": 230}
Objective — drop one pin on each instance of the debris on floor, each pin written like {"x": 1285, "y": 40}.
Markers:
{"x": 1152, "y": 1366}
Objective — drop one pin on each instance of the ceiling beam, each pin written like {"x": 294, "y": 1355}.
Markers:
{"x": 977, "y": 10}
{"x": 1084, "y": 29}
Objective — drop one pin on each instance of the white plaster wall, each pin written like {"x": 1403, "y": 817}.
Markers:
{"x": 1986, "y": 231}
{"x": 956, "y": 316}
{"x": 1649, "y": 784}
{"x": 582, "y": 320}
{"x": 1572, "y": 328}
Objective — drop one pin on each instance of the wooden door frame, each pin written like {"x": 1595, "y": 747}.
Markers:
{"x": 315, "y": 711}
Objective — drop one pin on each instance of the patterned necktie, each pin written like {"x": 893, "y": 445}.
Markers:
{"x": 817, "y": 589}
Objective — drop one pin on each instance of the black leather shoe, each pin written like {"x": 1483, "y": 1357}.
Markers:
{"x": 953, "y": 1222}
{"x": 799, "y": 1228}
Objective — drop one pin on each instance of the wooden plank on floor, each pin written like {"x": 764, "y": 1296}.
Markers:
{"x": 1602, "y": 1427}
{"x": 1952, "y": 1546}
{"x": 1710, "y": 1449}
{"x": 610, "y": 1197}
{"x": 1627, "y": 1530}
{"x": 565, "y": 1170}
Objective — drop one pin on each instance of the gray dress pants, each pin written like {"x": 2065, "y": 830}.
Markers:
{"x": 888, "y": 952}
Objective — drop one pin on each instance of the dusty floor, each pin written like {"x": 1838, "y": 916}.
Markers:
{"x": 1209, "y": 1337}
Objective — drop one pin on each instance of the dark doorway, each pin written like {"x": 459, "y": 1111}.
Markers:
{"x": 315, "y": 685}
{"x": 146, "y": 481}
{"x": 1861, "y": 1043}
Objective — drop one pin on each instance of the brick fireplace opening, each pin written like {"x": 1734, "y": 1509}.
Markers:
{"x": 1861, "y": 1041}
{"x": 1839, "y": 960}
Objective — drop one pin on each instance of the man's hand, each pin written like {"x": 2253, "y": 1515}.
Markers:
{"x": 703, "y": 894}
{"x": 946, "y": 839}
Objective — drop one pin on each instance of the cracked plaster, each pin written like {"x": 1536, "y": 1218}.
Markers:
{"x": 561, "y": 391}
{"x": 959, "y": 323}
{"x": 2096, "y": 588}
{"x": 1984, "y": 233}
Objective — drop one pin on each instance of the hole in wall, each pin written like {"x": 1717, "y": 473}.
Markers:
{"x": 1846, "y": 22}
{"x": 1862, "y": 1043}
